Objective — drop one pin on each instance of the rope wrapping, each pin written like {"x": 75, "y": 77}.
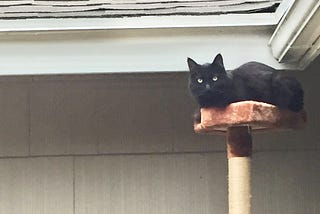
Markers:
{"x": 239, "y": 149}
{"x": 239, "y": 185}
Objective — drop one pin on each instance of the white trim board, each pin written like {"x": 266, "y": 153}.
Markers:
{"x": 131, "y": 50}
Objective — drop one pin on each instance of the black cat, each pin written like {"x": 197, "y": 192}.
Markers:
{"x": 212, "y": 86}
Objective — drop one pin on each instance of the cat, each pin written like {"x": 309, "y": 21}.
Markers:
{"x": 212, "y": 86}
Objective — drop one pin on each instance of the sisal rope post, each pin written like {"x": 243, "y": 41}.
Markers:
{"x": 239, "y": 149}
{"x": 237, "y": 121}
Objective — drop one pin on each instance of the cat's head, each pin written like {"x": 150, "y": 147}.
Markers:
{"x": 209, "y": 79}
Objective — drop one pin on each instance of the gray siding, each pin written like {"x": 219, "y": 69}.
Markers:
{"x": 124, "y": 144}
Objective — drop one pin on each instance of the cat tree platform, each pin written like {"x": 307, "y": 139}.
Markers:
{"x": 237, "y": 121}
{"x": 259, "y": 116}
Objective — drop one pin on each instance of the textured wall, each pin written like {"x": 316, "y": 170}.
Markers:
{"x": 125, "y": 144}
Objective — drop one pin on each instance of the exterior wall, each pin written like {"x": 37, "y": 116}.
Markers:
{"x": 124, "y": 144}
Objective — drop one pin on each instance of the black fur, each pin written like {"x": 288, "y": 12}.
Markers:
{"x": 212, "y": 86}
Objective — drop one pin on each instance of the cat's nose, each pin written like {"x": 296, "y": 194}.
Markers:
{"x": 207, "y": 86}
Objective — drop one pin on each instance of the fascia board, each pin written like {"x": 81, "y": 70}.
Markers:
{"x": 131, "y": 50}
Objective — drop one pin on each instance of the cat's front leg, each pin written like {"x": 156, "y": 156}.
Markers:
{"x": 197, "y": 116}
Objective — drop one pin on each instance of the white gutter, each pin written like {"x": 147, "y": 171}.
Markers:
{"x": 295, "y": 39}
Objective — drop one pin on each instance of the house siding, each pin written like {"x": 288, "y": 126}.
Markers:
{"x": 123, "y": 143}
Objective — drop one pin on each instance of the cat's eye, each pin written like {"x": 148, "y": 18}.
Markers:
{"x": 199, "y": 80}
{"x": 215, "y": 78}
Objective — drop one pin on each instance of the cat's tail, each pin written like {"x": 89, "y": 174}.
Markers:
{"x": 288, "y": 93}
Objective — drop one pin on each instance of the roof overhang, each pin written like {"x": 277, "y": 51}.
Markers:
{"x": 136, "y": 44}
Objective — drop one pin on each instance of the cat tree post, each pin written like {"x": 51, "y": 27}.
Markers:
{"x": 238, "y": 120}
{"x": 239, "y": 149}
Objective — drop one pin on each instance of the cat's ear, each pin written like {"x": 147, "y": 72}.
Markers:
{"x": 218, "y": 60}
{"x": 192, "y": 64}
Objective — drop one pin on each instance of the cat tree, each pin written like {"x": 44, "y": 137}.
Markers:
{"x": 238, "y": 120}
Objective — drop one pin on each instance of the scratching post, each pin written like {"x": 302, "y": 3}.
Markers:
{"x": 239, "y": 146}
{"x": 237, "y": 121}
